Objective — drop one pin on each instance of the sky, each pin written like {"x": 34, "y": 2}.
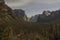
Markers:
{"x": 33, "y": 7}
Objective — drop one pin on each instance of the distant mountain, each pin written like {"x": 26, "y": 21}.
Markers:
{"x": 46, "y": 16}
{"x": 34, "y": 18}
{"x": 20, "y": 14}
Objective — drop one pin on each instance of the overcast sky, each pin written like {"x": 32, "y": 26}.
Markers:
{"x": 33, "y": 7}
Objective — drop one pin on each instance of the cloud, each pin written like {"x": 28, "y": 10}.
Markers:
{"x": 47, "y": 1}
{"x": 14, "y": 3}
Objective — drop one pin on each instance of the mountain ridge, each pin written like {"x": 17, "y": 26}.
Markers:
{"x": 47, "y": 16}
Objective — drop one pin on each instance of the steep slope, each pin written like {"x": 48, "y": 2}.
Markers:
{"x": 8, "y": 20}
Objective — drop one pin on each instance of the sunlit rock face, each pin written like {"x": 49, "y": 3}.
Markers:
{"x": 47, "y": 13}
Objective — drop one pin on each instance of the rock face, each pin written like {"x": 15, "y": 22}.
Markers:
{"x": 46, "y": 16}
{"x": 7, "y": 14}
{"x": 34, "y": 18}
{"x": 20, "y": 14}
